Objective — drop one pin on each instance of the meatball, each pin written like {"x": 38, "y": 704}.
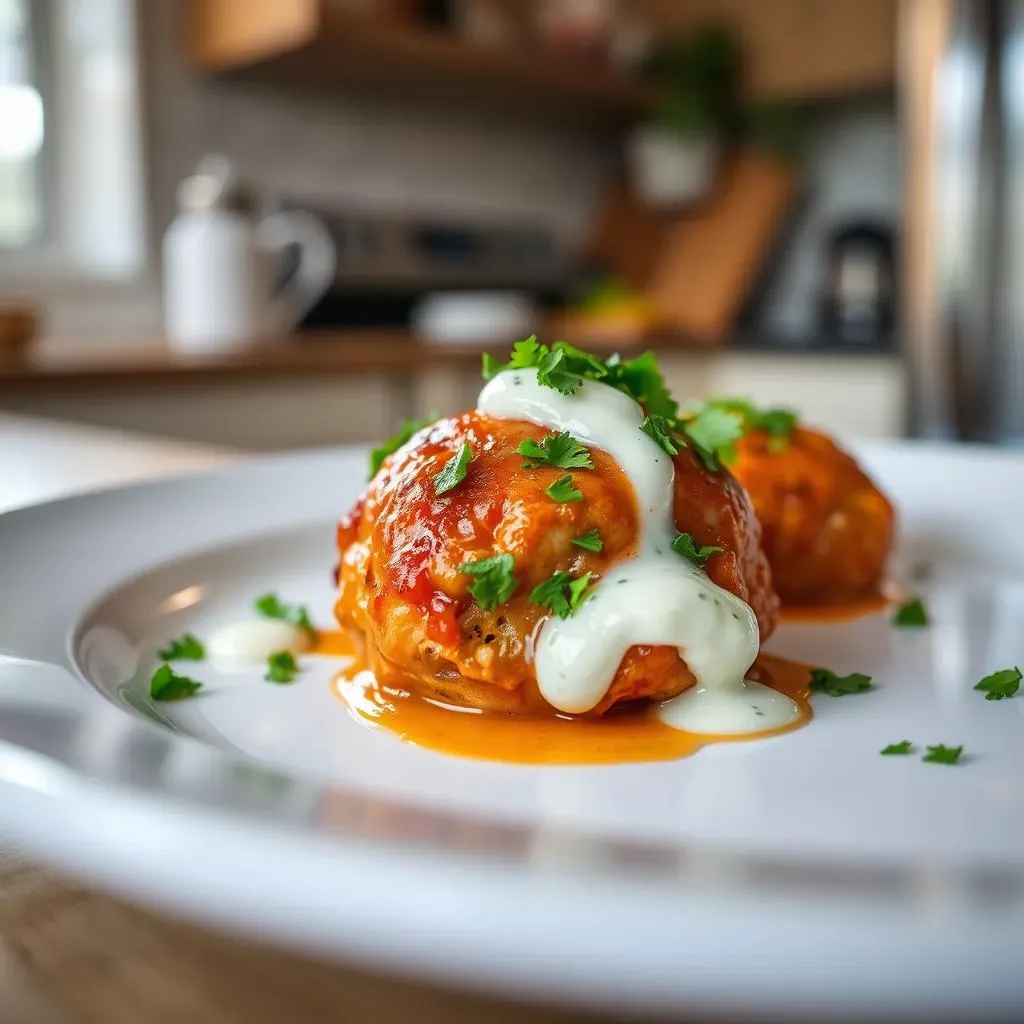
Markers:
{"x": 826, "y": 528}
{"x": 401, "y": 588}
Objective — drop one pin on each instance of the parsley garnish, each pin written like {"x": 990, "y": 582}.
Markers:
{"x": 562, "y": 366}
{"x": 911, "y": 615}
{"x": 562, "y": 451}
{"x": 714, "y": 433}
{"x": 683, "y": 545}
{"x": 1000, "y": 685}
{"x": 641, "y": 379}
{"x": 563, "y": 490}
{"x": 660, "y": 430}
{"x": 454, "y": 471}
{"x": 940, "y": 754}
{"x": 271, "y": 607}
{"x": 491, "y": 367}
{"x": 389, "y": 447}
{"x": 589, "y": 541}
{"x": 166, "y": 684}
{"x": 903, "y": 747}
{"x": 494, "y": 580}
{"x": 185, "y": 648}
{"x": 281, "y": 667}
{"x": 561, "y": 594}
{"x": 824, "y": 680}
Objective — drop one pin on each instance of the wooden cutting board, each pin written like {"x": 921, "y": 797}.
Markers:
{"x": 698, "y": 265}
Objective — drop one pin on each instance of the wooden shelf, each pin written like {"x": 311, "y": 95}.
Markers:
{"x": 317, "y": 42}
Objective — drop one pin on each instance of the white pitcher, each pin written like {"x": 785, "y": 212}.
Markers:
{"x": 220, "y": 262}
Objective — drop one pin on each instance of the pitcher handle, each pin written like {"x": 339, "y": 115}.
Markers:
{"x": 315, "y": 271}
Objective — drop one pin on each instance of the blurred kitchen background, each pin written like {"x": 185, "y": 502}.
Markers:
{"x": 276, "y": 223}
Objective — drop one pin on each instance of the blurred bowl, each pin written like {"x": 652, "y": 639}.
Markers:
{"x": 18, "y": 328}
{"x": 473, "y": 318}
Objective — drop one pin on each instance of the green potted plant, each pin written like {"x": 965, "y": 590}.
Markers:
{"x": 673, "y": 156}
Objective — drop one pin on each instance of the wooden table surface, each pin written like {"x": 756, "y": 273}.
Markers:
{"x": 72, "y": 956}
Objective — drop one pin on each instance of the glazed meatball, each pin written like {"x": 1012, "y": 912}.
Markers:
{"x": 826, "y": 528}
{"x": 401, "y": 547}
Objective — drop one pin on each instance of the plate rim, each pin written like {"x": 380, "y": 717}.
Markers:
{"x": 34, "y": 779}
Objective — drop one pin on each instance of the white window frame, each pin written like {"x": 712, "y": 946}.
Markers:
{"x": 79, "y": 190}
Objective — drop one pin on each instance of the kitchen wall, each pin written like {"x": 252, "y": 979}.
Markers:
{"x": 375, "y": 153}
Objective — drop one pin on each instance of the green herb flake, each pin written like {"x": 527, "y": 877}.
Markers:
{"x": 270, "y": 606}
{"x": 911, "y": 614}
{"x": 166, "y": 685}
{"x": 1000, "y": 685}
{"x": 491, "y": 366}
{"x": 824, "y": 680}
{"x": 661, "y": 431}
{"x": 389, "y": 447}
{"x": 554, "y": 371}
{"x": 281, "y": 667}
{"x": 185, "y": 648}
{"x": 454, "y": 471}
{"x": 940, "y": 754}
{"x": 563, "y": 490}
{"x": 641, "y": 379}
{"x": 589, "y": 541}
{"x": 683, "y": 545}
{"x": 494, "y": 580}
{"x": 903, "y": 747}
{"x": 527, "y": 353}
{"x": 563, "y": 451}
{"x": 714, "y": 433}
{"x": 561, "y": 594}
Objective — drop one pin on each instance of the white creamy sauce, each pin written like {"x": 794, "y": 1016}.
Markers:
{"x": 656, "y": 598}
{"x": 240, "y": 645}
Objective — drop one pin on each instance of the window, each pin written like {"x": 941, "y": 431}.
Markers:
{"x": 71, "y": 183}
{"x": 21, "y": 129}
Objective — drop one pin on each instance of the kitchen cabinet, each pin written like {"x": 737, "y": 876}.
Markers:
{"x": 800, "y": 49}
{"x": 320, "y": 42}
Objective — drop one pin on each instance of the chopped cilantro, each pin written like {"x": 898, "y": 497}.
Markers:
{"x": 494, "y": 580}
{"x": 779, "y": 423}
{"x": 940, "y": 754}
{"x": 1000, "y": 685}
{"x": 526, "y": 353}
{"x": 563, "y": 490}
{"x": 903, "y": 747}
{"x": 454, "y": 471}
{"x": 683, "y": 545}
{"x": 281, "y": 667}
{"x": 562, "y": 451}
{"x": 389, "y": 447}
{"x": 641, "y": 379}
{"x": 185, "y": 648}
{"x": 554, "y": 371}
{"x": 911, "y": 615}
{"x": 561, "y": 594}
{"x": 166, "y": 684}
{"x": 589, "y": 541}
{"x": 714, "y": 433}
{"x": 660, "y": 431}
{"x": 270, "y": 606}
{"x": 824, "y": 680}
{"x": 491, "y": 366}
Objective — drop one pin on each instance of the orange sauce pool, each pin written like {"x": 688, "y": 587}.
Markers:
{"x": 842, "y": 610}
{"x": 561, "y": 739}
{"x": 333, "y": 643}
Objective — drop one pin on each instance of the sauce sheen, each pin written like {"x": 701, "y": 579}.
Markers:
{"x": 657, "y": 597}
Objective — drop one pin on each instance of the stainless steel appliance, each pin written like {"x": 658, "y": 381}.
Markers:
{"x": 964, "y": 258}
{"x": 388, "y": 264}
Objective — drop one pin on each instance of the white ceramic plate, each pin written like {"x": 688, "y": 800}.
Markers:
{"x": 799, "y": 874}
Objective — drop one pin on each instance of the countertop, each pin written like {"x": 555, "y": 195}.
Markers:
{"x": 65, "y": 366}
